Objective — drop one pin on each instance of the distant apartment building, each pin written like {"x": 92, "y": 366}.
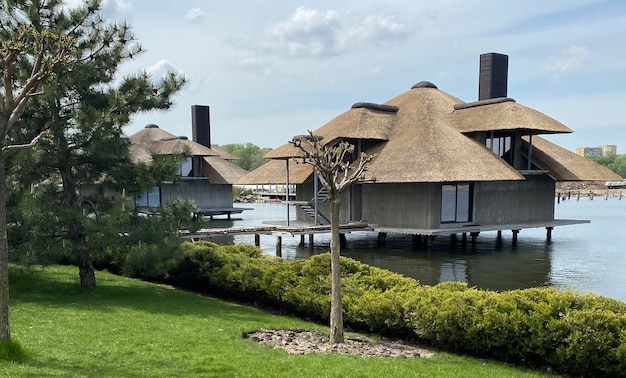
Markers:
{"x": 604, "y": 150}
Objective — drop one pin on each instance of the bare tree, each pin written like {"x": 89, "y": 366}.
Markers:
{"x": 336, "y": 171}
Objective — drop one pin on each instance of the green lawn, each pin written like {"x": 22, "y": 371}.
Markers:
{"x": 130, "y": 328}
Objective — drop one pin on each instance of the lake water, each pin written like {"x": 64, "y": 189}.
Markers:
{"x": 587, "y": 258}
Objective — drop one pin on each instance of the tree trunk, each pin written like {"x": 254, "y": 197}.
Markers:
{"x": 86, "y": 272}
{"x": 336, "y": 308}
{"x": 5, "y": 328}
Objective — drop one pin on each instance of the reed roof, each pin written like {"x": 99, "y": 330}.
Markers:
{"x": 565, "y": 165}
{"x": 153, "y": 140}
{"x": 425, "y": 135}
{"x": 274, "y": 173}
{"x": 221, "y": 171}
{"x": 504, "y": 114}
{"x": 362, "y": 121}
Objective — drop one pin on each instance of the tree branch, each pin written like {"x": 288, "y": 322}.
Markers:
{"x": 32, "y": 143}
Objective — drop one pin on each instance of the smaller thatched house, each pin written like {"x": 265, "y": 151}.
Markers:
{"x": 206, "y": 177}
{"x": 444, "y": 166}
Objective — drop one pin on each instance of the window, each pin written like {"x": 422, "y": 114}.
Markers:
{"x": 502, "y": 145}
{"x": 151, "y": 198}
{"x": 456, "y": 203}
{"x": 186, "y": 168}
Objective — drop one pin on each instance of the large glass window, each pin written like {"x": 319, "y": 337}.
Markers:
{"x": 456, "y": 203}
{"x": 151, "y": 198}
{"x": 186, "y": 168}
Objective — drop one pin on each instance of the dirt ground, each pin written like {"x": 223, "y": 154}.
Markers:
{"x": 305, "y": 341}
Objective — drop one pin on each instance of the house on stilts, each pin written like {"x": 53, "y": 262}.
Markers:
{"x": 205, "y": 177}
{"x": 442, "y": 166}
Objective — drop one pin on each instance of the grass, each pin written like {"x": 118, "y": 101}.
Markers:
{"x": 130, "y": 328}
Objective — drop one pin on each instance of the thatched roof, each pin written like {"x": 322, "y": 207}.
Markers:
{"x": 504, "y": 114}
{"x": 223, "y": 153}
{"x": 153, "y": 140}
{"x": 274, "y": 173}
{"x": 362, "y": 121}
{"x": 425, "y": 135}
{"x": 424, "y": 146}
{"x": 221, "y": 171}
{"x": 565, "y": 165}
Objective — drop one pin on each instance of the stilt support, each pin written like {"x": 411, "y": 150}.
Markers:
{"x": 279, "y": 246}
{"x": 342, "y": 240}
{"x": 311, "y": 240}
{"x": 549, "y": 233}
{"x": 474, "y": 236}
{"x": 257, "y": 240}
{"x": 515, "y": 232}
{"x": 382, "y": 236}
{"x": 301, "y": 240}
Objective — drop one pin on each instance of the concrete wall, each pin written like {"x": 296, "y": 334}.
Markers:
{"x": 203, "y": 193}
{"x": 514, "y": 201}
{"x": 416, "y": 205}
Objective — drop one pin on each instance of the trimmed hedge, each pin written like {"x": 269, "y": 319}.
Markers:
{"x": 574, "y": 333}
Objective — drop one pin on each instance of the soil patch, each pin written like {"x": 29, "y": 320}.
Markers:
{"x": 305, "y": 341}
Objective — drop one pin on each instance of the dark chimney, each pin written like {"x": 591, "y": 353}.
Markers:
{"x": 492, "y": 82}
{"x": 201, "y": 125}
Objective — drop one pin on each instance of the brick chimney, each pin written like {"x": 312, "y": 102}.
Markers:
{"x": 201, "y": 125}
{"x": 494, "y": 71}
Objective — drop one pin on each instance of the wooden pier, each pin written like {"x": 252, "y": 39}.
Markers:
{"x": 278, "y": 231}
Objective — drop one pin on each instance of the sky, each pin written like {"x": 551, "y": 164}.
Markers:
{"x": 270, "y": 70}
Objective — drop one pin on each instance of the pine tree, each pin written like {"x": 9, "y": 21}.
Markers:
{"x": 61, "y": 62}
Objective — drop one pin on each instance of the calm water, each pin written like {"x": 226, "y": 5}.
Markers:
{"x": 589, "y": 257}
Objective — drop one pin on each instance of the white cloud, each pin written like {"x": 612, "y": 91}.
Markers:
{"x": 195, "y": 14}
{"x": 313, "y": 33}
{"x": 161, "y": 68}
{"x": 569, "y": 60}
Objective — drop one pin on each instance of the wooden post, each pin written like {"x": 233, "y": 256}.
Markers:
{"x": 606, "y": 195}
{"x": 464, "y": 239}
{"x": 515, "y": 232}
{"x": 301, "y": 240}
{"x": 382, "y": 236}
{"x": 499, "y": 234}
{"x": 558, "y": 198}
{"x": 416, "y": 241}
{"x": 279, "y": 246}
{"x": 311, "y": 240}
{"x": 591, "y": 196}
{"x": 257, "y": 240}
{"x": 342, "y": 240}
{"x": 549, "y": 233}
{"x": 474, "y": 236}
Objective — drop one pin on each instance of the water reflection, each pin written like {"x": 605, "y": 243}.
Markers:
{"x": 587, "y": 257}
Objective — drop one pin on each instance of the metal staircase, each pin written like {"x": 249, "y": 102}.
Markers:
{"x": 309, "y": 208}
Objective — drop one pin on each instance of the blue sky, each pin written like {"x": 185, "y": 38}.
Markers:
{"x": 270, "y": 70}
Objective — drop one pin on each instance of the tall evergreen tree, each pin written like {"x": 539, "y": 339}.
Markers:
{"x": 63, "y": 61}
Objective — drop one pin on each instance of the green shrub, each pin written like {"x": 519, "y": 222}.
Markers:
{"x": 574, "y": 333}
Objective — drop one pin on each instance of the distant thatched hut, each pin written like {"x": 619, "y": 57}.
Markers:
{"x": 444, "y": 166}
{"x": 206, "y": 177}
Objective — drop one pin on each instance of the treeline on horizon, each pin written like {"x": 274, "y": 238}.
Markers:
{"x": 616, "y": 163}
{"x": 249, "y": 155}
